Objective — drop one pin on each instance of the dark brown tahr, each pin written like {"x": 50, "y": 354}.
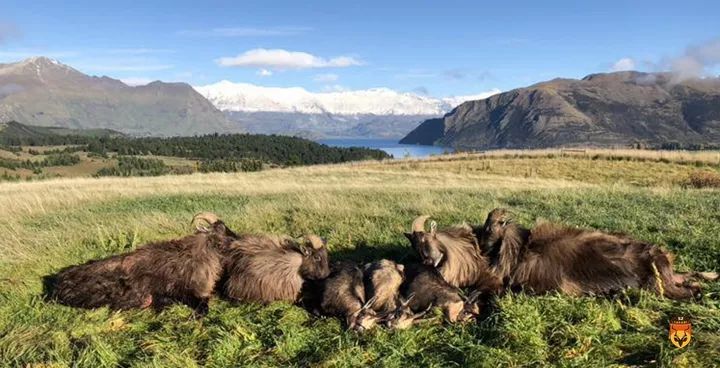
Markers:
{"x": 455, "y": 253}
{"x": 182, "y": 270}
{"x": 342, "y": 294}
{"x": 264, "y": 268}
{"x": 382, "y": 282}
{"x": 552, "y": 257}
{"x": 425, "y": 288}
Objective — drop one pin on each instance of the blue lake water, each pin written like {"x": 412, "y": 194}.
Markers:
{"x": 390, "y": 146}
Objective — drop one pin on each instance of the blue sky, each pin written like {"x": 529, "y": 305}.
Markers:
{"x": 439, "y": 48}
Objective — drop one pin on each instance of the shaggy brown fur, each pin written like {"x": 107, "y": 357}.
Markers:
{"x": 455, "y": 253}
{"x": 342, "y": 294}
{"x": 262, "y": 268}
{"x": 577, "y": 261}
{"x": 182, "y": 270}
{"x": 382, "y": 282}
{"x": 425, "y": 288}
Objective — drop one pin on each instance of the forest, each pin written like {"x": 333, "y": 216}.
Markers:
{"x": 213, "y": 153}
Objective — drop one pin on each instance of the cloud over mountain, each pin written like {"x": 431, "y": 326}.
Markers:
{"x": 696, "y": 60}
{"x": 284, "y": 59}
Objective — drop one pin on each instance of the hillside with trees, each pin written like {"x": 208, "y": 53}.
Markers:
{"x": 30, "y": 150}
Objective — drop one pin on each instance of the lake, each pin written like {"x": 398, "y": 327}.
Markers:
{"x": 390, "y": 146}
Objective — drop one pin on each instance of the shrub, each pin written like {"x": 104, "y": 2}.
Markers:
{"x": 703, "y": 179}
{"x": 135, "y": 166}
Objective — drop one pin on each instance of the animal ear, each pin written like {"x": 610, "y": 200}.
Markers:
{"x": 208, "y": 217}
{"x": 304, "y": 250}
{"x": 315, "y": 241}
{"x": 220, "y": 227}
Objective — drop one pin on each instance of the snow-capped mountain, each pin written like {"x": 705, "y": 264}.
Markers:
{"x": 229, "y": 96}
{"x": 376, "y": 112}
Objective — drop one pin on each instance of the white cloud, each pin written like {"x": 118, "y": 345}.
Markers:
{"x": 326, "y": 78}
{"x": 246, "y": 31}
{"x": 136, "y": 81}
{"x": 283, "y": 59}
{"x": 623, "y": 64}
{"x": 264, "y": 73}
{"x": 696, "y": 60}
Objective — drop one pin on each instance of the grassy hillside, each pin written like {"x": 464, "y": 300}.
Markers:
{"x": 13, "y": 132}
{"x": 362, "y": 209}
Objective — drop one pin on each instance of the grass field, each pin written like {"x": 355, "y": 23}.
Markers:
{"x": 362, "y": 209}
{"x": 87, "y": 167}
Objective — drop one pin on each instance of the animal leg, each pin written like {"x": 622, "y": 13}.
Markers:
{"x": 665, "y": 280}
{"x": 705, "y": 276}
{"x": 199, "y": 306}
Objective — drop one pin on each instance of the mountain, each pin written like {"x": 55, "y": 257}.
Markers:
{"x": 44, "y": 92}
{"x": 377, "y": 112}
{"x": 600, "y": 110}
{"x": 16, "y": 134}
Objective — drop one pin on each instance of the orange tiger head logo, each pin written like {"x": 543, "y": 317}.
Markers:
{"x": 680, "y": 331}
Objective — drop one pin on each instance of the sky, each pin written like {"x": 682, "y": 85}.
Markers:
{"x": 437, "y": 48}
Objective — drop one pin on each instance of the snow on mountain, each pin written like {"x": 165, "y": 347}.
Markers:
{"x": 229, "y": 96}
{"x": 457, "y": 100}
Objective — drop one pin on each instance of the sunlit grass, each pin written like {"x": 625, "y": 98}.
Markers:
{"x": 362, "y": 209}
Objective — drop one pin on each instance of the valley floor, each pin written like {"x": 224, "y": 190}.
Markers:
{"x": 362, "y": 209}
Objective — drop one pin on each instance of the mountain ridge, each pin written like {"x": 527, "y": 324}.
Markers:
{"x": 44, "y": 92}
{"x": 600, "y": 110}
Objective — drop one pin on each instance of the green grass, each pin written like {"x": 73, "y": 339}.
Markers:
{"x": 362, "y": 211}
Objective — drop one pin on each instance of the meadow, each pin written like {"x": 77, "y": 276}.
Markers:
{"x": 362, "y": 210}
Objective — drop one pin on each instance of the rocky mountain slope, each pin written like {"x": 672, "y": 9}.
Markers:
{"x": 601, "y": 110}
{"x": 43, "y": 92}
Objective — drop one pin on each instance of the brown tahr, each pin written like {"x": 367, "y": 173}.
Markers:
{"x": 455, "y": 253}
{"x": 182, "y": 270}
{"x": 342, "y": 294}
{"x": 263, "y": 268}
{"x": 552, "y": 257}
{"x": 382, "y": 282}
{"x": 425, "y": 288}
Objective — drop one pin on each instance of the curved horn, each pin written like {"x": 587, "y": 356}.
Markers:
{"x": 418, "y": 225}
{"x": 370, "y": 302}
{"x": 208, "y": 217}
{"x": 315, "y": 241}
